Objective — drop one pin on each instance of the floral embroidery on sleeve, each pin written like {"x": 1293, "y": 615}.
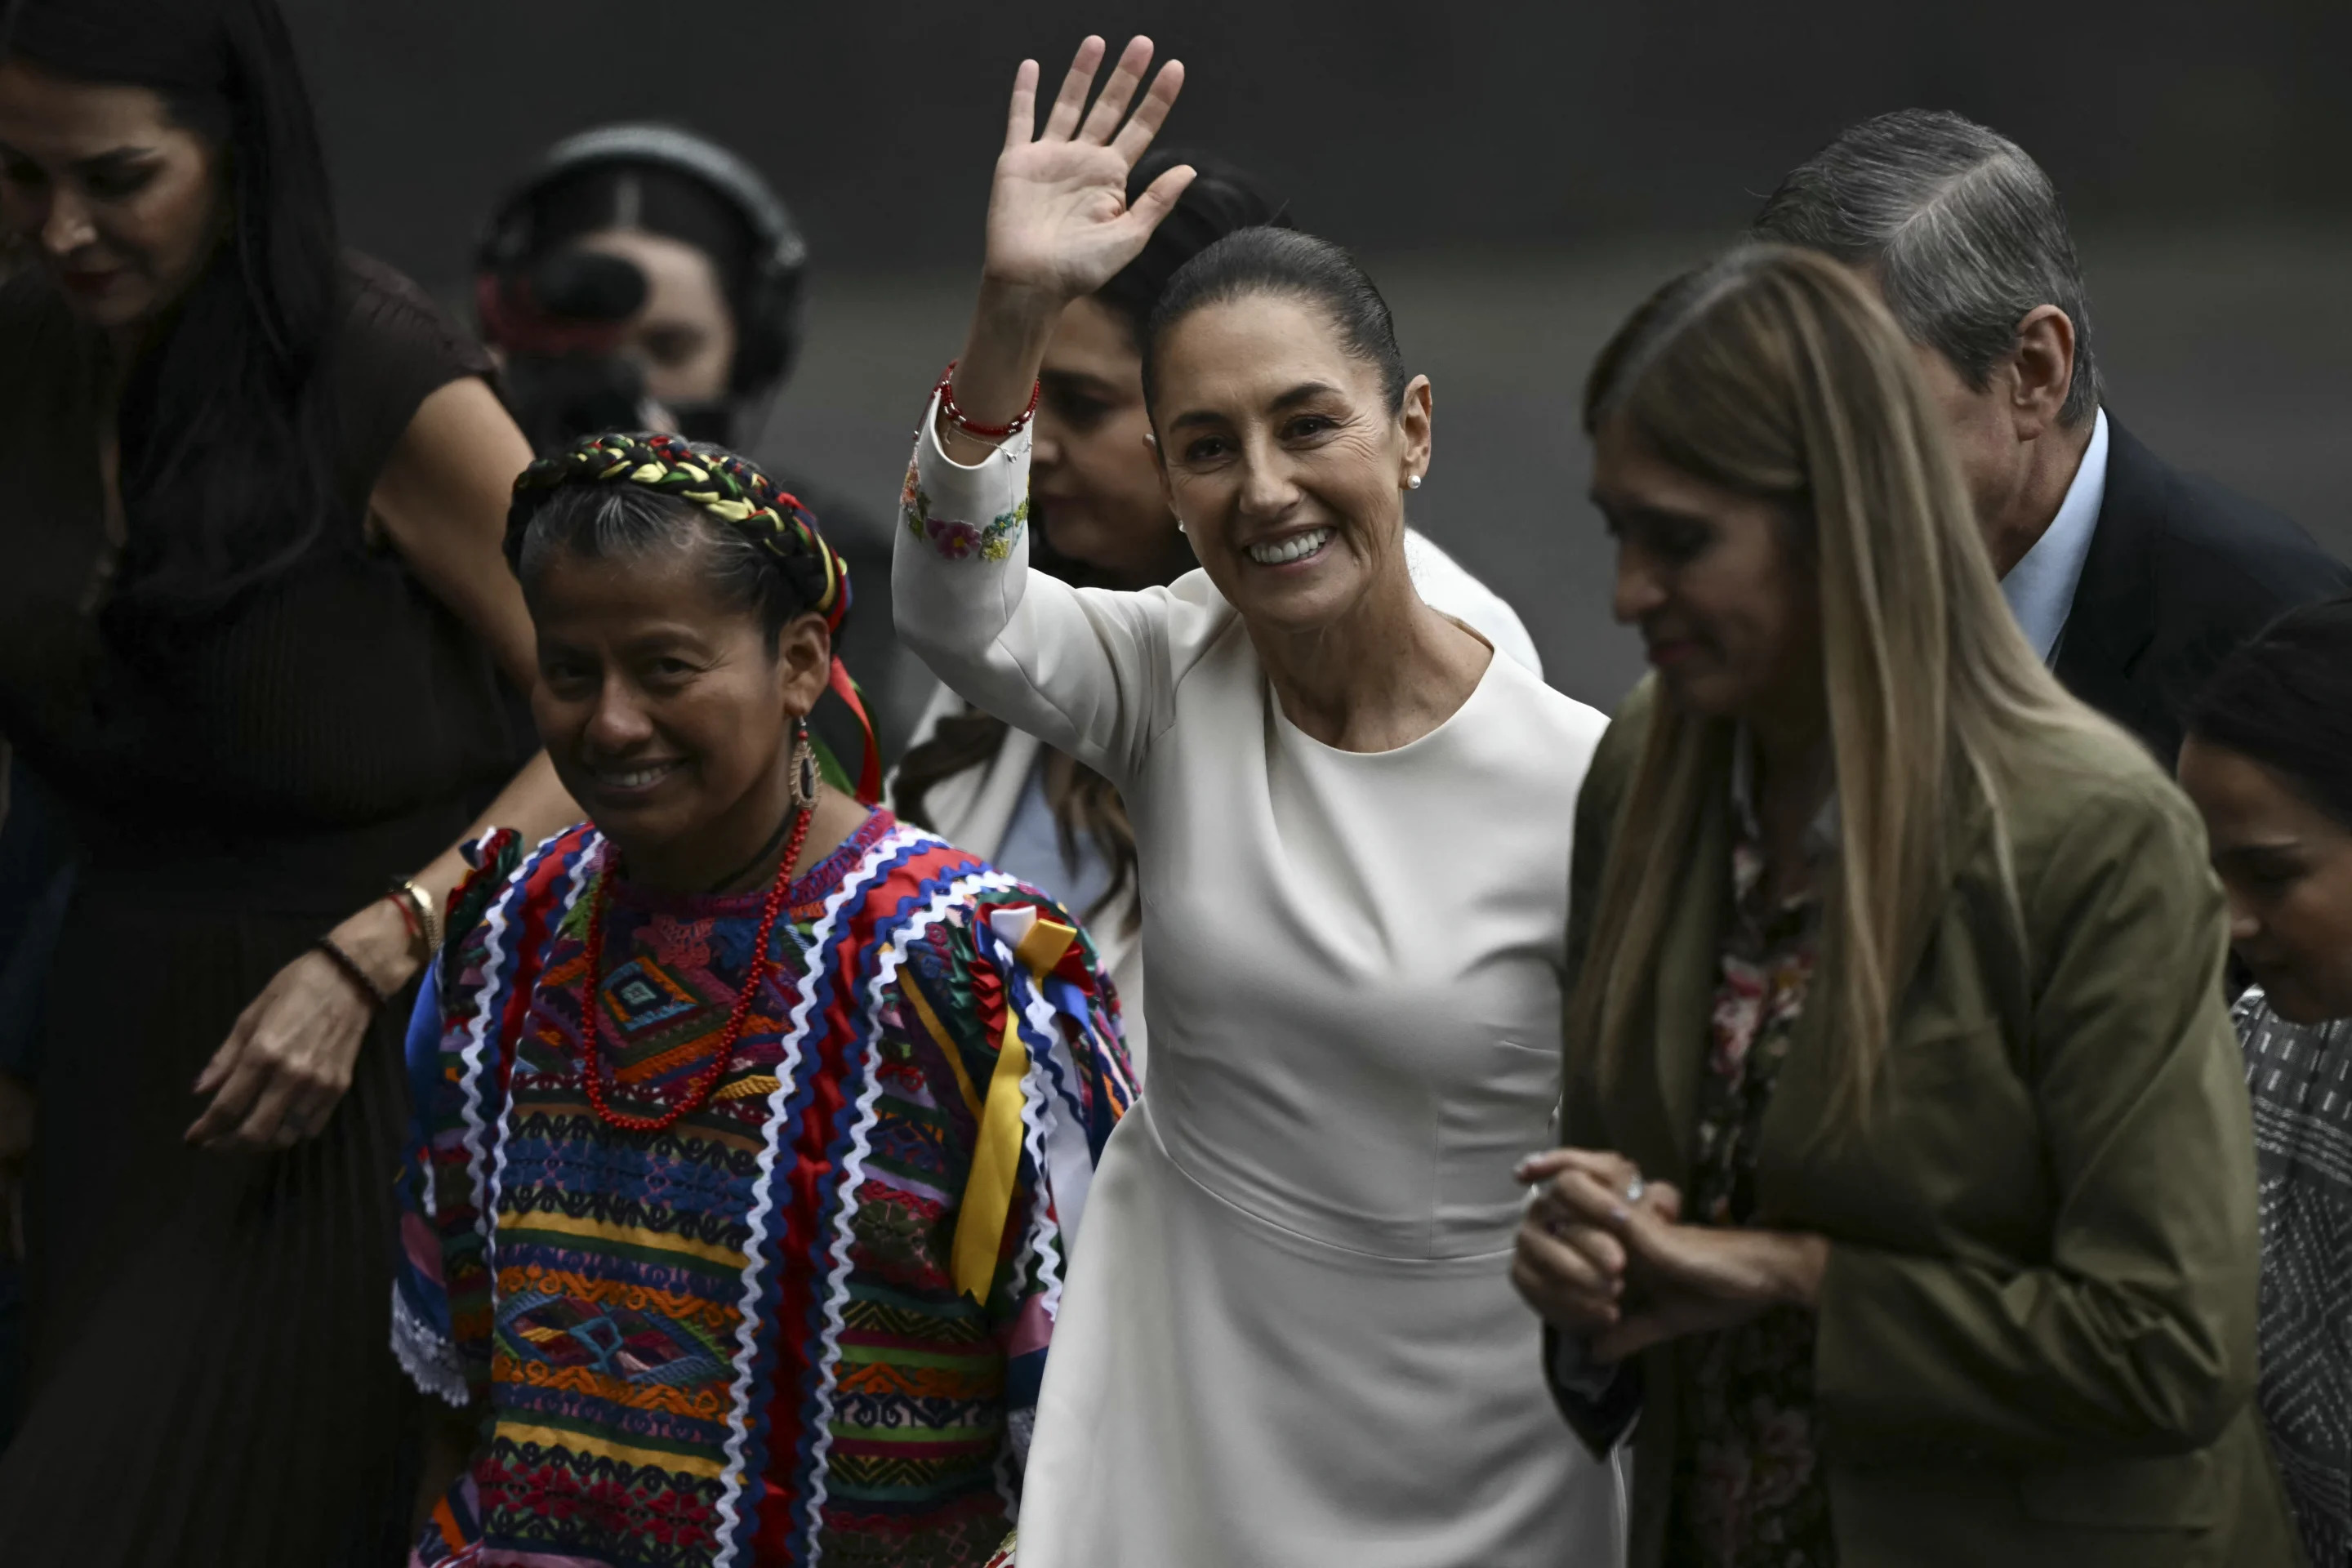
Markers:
{"x": 953, "y": 539}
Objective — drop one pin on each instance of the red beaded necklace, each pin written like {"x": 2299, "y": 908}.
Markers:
{"x": 698, "y": 1091}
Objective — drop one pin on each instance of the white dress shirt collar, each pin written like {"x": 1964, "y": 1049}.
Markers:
{"x": 2041, "y": 587}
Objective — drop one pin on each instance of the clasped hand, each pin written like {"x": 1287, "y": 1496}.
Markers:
{"x": 1626, "y": 1275}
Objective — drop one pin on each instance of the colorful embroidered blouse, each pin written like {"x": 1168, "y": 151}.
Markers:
{"x": 806, "y": 1323}
{"x": 1750, "y": 1488}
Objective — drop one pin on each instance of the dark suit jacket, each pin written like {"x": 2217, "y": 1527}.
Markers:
{"x": 2181, "y": 573}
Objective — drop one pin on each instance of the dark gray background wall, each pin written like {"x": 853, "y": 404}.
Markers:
{"x": 1401, "y": 123}
{"x": 1517, "y": 175}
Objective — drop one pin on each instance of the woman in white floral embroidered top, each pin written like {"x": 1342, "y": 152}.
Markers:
{"x": 1289, "y": 1337}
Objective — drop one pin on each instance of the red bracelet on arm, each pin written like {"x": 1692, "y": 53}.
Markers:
{"x": 970, "y": 426}
{"x": 399, "y": 900}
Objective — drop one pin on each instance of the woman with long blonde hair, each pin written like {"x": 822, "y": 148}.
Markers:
{"x": 1907, "y": 1190}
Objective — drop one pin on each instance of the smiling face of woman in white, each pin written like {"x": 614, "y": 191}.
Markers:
{"x": 1284, "y": 460}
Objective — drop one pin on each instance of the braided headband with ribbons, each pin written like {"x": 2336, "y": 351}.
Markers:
{"x": 734, "y": 492}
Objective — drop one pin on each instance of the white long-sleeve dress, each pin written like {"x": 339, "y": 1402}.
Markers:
{"x": 1288, "y": 1337}
{"x": 975, "y": 809}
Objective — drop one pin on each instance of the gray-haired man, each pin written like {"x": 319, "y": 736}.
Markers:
{"x": 2132, "y": 580}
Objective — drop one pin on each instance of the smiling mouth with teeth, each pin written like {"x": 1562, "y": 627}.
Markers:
{"x": 633, "y": 778}
{"x": 1298, "y": 547}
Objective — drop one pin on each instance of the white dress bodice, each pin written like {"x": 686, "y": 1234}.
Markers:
{"x": 1288, "y": 1337}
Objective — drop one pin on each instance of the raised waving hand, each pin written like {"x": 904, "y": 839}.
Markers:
{"x": 1058, "y": 220}
{"x": 1059, "y": 225}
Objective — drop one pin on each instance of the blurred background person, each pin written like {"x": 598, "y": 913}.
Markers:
{"x": 37, "y": 877}
{"x": 1908, "y": 1197}
{"x": 2268, "y": 761}
{"x": 643, "y": 277}
{"x": 2130, "y": 579}
{"x": 1099, "y": 520}
{"x": 252, "y": 625}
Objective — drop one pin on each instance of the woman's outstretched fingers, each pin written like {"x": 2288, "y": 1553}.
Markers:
{"x": 1020, "y": 118}
{"x": 1070, "y": 103}
{"x": 1150, "y": 114}
{"x": 1160, "y": 197}
{"x": 1103, "y": 121}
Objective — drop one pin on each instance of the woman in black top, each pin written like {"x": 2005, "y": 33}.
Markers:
{"x": 252, "y": 620}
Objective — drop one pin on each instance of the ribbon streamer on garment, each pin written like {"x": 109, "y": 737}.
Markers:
{"x": 996, "y": 1162}
{"x": 869, "y": 769}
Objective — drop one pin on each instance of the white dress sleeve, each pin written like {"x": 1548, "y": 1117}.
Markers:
{"x": 1085, "y": 670}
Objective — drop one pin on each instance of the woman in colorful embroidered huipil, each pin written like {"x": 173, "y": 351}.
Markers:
{"x": 753, "y": 1257}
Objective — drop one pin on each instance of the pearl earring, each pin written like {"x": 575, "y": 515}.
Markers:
{"x": 1412, "y": 481}
{"x": 1180, "y": 525}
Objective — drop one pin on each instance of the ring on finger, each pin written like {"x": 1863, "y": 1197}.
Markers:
{"x": 1635, "y": 1188}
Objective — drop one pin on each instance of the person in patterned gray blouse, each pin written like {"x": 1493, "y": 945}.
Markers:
{"x": 2268, "y": 761}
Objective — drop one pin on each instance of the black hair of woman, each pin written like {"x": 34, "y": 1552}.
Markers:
{"x": 617, "y": 496}
{"x": 1222, "y": 199}
{"x": 1286, "y": 263}
{"x": 226, "y": 419}
{"x": 608, "y": 521}
{"x": 2284, "y": 700}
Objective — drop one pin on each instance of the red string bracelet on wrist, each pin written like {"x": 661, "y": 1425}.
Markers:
{"x": 971, "y": 426}
{"x": 399, "y": 900}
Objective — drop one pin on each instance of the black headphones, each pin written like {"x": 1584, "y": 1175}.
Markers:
{"x": 768, "y": 324}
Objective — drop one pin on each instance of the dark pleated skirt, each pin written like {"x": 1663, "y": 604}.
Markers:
{"x": 209, "y": 1377}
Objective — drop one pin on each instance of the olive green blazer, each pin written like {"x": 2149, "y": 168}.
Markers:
{"x": 2036, "y": 1333}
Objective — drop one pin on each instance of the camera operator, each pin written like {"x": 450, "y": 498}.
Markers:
{"x": 641, "y": 277}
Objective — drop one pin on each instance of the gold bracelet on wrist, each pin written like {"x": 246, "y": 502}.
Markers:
{"x": 428, "y": 918}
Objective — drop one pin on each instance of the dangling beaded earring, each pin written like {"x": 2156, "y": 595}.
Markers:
{"x": 807, "y": 775}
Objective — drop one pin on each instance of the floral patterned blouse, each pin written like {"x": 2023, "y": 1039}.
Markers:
{"x": 1748, "y": 1490}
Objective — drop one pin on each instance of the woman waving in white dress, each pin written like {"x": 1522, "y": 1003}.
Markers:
{"x": 1288, "y": 1337}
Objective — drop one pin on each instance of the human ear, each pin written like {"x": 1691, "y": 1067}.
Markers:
{"x": 2042, "y": 370}
{"x": 804, "y": 663}
{"x": 1160, "y": 468}
{"x": 1414, "y": 420}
